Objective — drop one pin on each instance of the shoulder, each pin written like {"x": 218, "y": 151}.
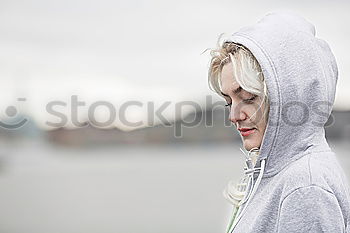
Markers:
{"x": 313, "y": 189}
{"x": 310, "y": 209}
{"x": 315, "y": 169}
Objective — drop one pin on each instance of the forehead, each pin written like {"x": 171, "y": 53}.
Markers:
{"x": 227, "y": 79}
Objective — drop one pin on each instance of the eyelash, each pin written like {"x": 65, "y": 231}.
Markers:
{"x": 249, "y": 101}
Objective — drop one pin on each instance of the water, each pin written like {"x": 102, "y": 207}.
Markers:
{"x": 46, "y": 189}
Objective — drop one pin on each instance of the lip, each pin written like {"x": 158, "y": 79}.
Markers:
{"x": 246, "y": 131}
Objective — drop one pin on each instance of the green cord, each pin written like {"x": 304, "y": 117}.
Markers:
{"x": 234, "y": 213}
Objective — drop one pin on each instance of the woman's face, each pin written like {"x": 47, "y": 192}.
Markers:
{"x": 244, "y": 109}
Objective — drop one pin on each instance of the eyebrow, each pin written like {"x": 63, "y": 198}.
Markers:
{"x": 236, "y": 91}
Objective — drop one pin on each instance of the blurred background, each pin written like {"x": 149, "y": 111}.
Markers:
{"x": 86, "y": 89}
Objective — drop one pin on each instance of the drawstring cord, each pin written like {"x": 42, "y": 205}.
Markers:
{"x": 249, "y": 171}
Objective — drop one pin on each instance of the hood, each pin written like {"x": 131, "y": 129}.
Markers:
{"x": 301, "y": 75}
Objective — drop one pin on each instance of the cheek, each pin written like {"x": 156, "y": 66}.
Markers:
{"x": 256, "y": 114}
{"x": 253, "y": 113}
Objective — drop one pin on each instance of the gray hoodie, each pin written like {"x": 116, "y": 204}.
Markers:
{"x": 300, "y": 186}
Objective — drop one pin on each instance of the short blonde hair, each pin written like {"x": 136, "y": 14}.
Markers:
{"x": 246, "y": 70}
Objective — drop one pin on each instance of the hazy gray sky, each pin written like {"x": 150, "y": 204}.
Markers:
{"x": 145, "y": 50}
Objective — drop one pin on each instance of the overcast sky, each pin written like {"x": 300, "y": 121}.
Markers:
{"x": 135, "y": 50}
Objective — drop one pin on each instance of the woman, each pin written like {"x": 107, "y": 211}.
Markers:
{"x": 279, "y": 81}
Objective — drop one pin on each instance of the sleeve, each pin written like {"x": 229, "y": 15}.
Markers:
{"x": 310, "y": 209}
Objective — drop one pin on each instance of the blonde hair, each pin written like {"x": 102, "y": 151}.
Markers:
{"x": 246, "y": 70}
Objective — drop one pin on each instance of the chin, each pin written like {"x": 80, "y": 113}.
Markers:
{"x": 248, "y": 148}
{"x": 250, "y": 144}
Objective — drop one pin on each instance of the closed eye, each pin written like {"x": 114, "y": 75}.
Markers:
{"x": 250, "y": 100}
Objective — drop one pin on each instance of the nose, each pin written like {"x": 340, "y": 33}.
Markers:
{"x": 237, "y": 114}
